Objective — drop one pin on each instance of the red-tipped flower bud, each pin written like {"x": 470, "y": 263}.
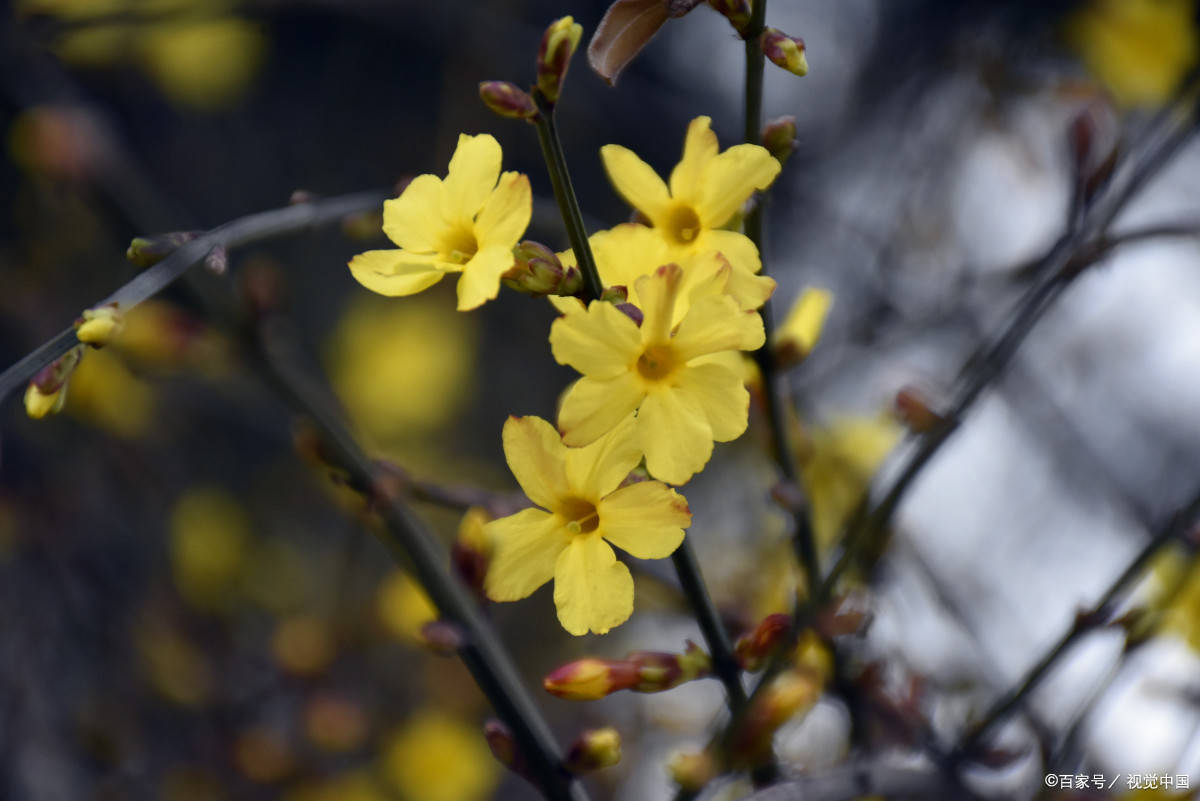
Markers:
{"x": 789, "y": 694}
{"x": 594, "y": 749}
{"x": 779, "y": 137}
{"x": 753, "y": 649}
{"x": 554, "y": 56}
{"x": 538, "y": 272}
{"x": 47, "y": 392}
{"x": 507, "y": 100}
{"x": 590, "y": 679}
{"x": 691, "y": 770}
{"x": 785, "y": 51}
{"x": 98, "y": 326}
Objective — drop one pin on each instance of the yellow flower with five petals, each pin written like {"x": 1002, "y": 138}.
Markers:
{"x": 467, "y": 223}
{"x": 707, "y": 188}
{"x": 583, "y": 511}
{"x": 667, "y": 370}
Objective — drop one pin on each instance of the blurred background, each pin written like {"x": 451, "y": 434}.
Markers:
{"x": 191, "y": 612}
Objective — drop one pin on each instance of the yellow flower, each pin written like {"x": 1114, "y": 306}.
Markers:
{"x": 466, "y": 223}
{"x": 582, "y": 512}
{"x": 838, "y": 466}
{"x": 1139, "y": 49}
{"x": 684, "y": 398}
{"x": 707, "y": 189}
{"x": 802, "y": 327}
{"x": 629, "y": 251}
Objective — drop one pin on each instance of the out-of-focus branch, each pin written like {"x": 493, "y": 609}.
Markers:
{"x": 1182, "y": 522}
{"x": 242, "y": 231}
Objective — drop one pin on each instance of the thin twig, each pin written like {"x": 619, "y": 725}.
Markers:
{"x": 1099, "y": 615}
{"x": 242, "y": 231}
{"x": 720, "y": 648}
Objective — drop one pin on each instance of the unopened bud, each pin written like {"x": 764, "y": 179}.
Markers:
{"x": 590, "y": 679}
{"x": 691, "y": 770}
{"x": 736, "y": 11}
{"x": 813, "y": 657}
{"x": 472, "y": 550}
{"x": 554, "y": 56}
{"x": 801, "y": 329}
{"x": 537, "y": 271}
{"x": 594, "y": 749}
{"x": 915, "y": 412}
{"x": 146, "y": 251}
{"x": 442, "y": 637}
{"x": 615, "y": 294}
{"x": 507, "y": 100}
{"x": 785, "y": 51}
{"x": 47, "y": 391}
{"x": 98, "y": 326}
{"x": 503, "y": 744}
{"x": 217, "y": 260}
{"x": 753, "y": 649}
{"x": 779, "y": 137}
{"x": 658, "y": 671}
{"x": 789, "y": 694}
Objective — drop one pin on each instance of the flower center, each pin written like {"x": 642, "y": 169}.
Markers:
{"x": 656, "y": 362}
{"x": 460, "y": 244}
{"x": 683, "y": 224}
{"x": 581, "y": 515}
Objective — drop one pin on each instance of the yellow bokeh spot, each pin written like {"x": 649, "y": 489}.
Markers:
{"x": 303, "y": 644}
{"x": 837, "y": 465}
{"x": 1139, "y": 49}
{"x": 403, "y": 370}
{"x": 176, "y": 668}
{"x": 439, "y": 758}
{"x": 205, "y": 64}
{"x": 103, "y": 392}
{"x": 403, "y": 607}
{"x": 209, "y": 535}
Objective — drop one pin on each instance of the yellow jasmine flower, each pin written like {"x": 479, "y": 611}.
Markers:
{"x": 1139, "y": 49}
{"x": 583, "y": 511}
{"x": 684, "y": 398}
{"x": 801, "y": 329}
{"x": 467, "y": 223}
{"x": 707, "y": 189}
{"x": 837, "y": 466}
{"x": 628, "y": 251}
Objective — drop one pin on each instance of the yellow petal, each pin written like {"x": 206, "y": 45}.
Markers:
{"x": 626, "y": 252}
{"x": 395, "y": 272}
{"x": 657, "y": 294}
{"x": 601, "y": 343}
{"x": 699, "y": 148}
{"x": 567, "y": 305}
{"x": 749, "y": 290}
{"x": 737, "y": 248}
{"x": 480, "y": 281}
{"x": 722, "y": 395}
{"x": 730, "y": 179}
{"x": 592, "y": 590}
{"x": 645, "y": 519}
{"x": 505, "y": 214}
{"x": 802, "y": 327}
{"x": 474, "y": 168}
{"x": 536, "y": 457}
{"x": 675, "y": 435}
{"x": 636, "y": 181}
{"x": 527, "y": 545}
{"x": 413, "y": 219}
{"x": 594, "y": 406}
{"x": 598, "y": 469}
{"x": 716, "y": 323}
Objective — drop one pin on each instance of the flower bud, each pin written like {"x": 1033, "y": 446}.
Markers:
{"x": 915, "y": 412}
{"x": 802, "y": 327}
{"x": 536, "y": 271}
{"x": 779, "y": 137}
{"x": 507, "y": 100}
{"x": 442, "y": 637}
{"x": 472, "y": 550}
{"x": 753, "y": 649}
{"x": 146, "y": 251}
{"x": 98, "y": 326}
{"x": 47, "y": 391}
{"x": 590, "y": 679}
{"x": 785, "y": 51}
{"x": 691, "y": 770}
{"x": 500, "y": 739}
{"x": 789, "y": 694}
{"x": 736, "y": 11}
{"x": 592, "y": 750}
{"x": 615, "y": 294}
{"x": 558, "y": 45}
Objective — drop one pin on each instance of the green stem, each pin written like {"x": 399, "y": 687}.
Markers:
{"x": 720, "y": 648}
{"x": 564, "y": 193}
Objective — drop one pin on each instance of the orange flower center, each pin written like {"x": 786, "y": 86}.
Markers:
{"x": 683, "y": 224}
{"x": 582, "y": 517}
{"x": 460, "y": 245}
{"x": 656, "y": 362}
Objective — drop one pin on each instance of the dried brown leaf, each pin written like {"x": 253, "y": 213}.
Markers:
{"x": 626, "y": 28}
